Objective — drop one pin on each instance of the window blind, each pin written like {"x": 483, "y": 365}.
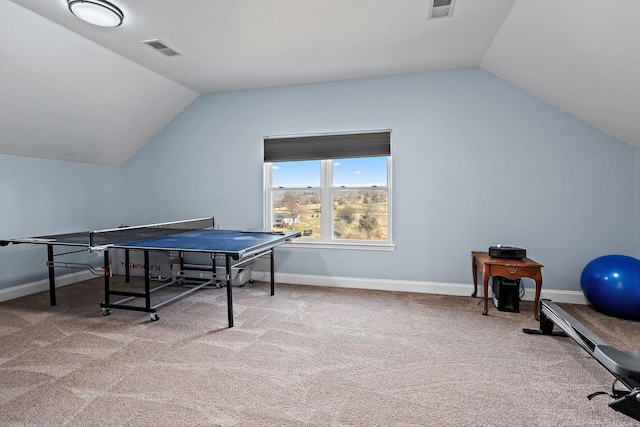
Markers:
{"x": 334, "y": 146}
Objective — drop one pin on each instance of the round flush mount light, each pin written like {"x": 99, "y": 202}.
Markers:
{"x": 96, "y": 12}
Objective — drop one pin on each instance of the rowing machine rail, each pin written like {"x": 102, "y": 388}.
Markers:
{"x": 624, "y": 365}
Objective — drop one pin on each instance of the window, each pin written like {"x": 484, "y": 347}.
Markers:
{"x": 331, "y": 188}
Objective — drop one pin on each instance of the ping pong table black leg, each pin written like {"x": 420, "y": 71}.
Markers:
{"x": 273, "y": 274}
{"x": 147, "y": 288}
{"x": 229, "y": 297}
{"x": 105, "y": 268}
{"x": 147, "y": 283}
{"x": 52, "y": 275}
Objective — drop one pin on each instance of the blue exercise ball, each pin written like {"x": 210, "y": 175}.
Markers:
{"x": 611, "y": 283}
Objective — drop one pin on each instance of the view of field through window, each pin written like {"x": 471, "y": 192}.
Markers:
{"x": 359, "y": 198}
{"x": 358, "y": 214}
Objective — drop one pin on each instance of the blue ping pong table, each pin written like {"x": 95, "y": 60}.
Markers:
{"x": 239, "y": 246}
{"x": 197, "y": 235}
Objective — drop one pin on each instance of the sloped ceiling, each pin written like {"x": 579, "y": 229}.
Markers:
{"x": 582, "y": 56}
{"x": 65, "y": 97}
{"x": 72, "y": 91}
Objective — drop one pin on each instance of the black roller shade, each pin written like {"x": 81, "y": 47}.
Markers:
{"x": 334, "y": 146}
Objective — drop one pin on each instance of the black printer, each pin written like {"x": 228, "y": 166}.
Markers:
{"x": 507, "y": 252}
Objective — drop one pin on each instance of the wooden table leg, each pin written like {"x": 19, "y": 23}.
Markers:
{"x": 536, "y": 308}
{"x": 485, "y": 284}
{"x": 474, "y": 271}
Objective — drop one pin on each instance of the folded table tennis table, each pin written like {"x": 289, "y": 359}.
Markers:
{"x": 196, "y": 235}
{"x": 76, "y": 240}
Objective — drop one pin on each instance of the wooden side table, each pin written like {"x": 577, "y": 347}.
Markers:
{"x": 509, "y": 268}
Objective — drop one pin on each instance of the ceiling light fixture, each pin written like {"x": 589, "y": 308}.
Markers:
{"x": 96, "y": 12}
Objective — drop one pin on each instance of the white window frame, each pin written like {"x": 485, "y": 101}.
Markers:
{"x": 326, "y": 190}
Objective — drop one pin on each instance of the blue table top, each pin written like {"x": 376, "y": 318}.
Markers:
{"x": 232, "y": 242}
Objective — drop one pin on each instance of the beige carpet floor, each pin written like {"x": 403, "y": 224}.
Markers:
{"x": 308, "y": 356}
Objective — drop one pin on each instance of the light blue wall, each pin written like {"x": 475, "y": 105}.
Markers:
{"x": 476, "y": 162}
{"x": 41, "y": 197}
{"x": 637, "y": 254}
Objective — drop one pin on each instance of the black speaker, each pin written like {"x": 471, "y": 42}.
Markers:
{"x": 506, "y": 294}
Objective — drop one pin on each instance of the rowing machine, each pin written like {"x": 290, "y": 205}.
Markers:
{"x": 624, "y": 365}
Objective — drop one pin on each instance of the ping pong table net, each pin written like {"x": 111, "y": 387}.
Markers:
{"x": 139, "y": 232}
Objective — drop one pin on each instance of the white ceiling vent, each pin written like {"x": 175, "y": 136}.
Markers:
{"x": 161, "y": 47}
{"x": 441, "y": 8}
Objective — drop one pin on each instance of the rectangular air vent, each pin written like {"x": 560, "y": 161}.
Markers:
{"x": 440, "y": 8}
{"x": 161, "y": 47}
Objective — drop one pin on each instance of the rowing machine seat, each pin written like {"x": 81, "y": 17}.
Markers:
{"x": 625, "y": 363}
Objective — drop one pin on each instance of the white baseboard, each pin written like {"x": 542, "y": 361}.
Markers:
{"x": 43, "y": 285}
{"x": 457, "y": 289}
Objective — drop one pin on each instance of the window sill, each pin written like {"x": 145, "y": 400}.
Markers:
{"x": 319, "y": 244}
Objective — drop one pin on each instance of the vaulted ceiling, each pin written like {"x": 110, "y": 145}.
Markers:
{"x": 77, "y": 92}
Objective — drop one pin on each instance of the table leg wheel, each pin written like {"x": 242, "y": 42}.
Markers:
{"x": 106, "y": 312}
{"x": 155, "y": 317}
